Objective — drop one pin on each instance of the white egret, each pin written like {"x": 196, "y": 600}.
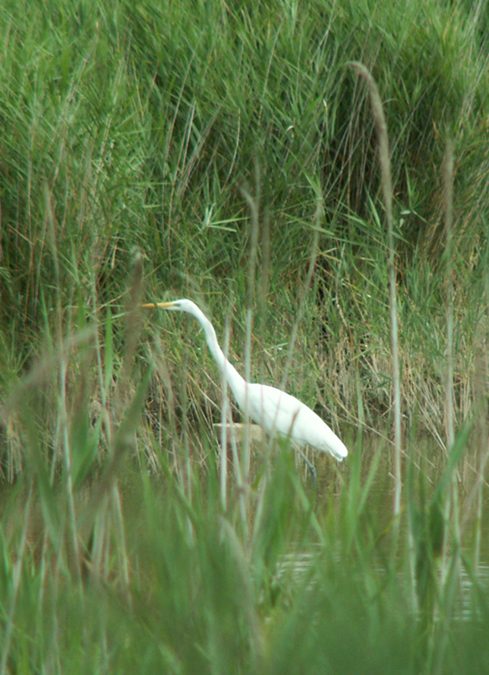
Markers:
{"x": 274, "y": 410}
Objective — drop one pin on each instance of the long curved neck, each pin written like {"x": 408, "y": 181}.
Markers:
{"x": 231, "y": 375}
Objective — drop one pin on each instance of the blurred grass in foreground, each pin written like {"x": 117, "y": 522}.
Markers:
{"x": 111, "y": 566}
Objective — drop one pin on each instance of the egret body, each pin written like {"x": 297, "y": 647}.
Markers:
{"x": 276, "y": 411}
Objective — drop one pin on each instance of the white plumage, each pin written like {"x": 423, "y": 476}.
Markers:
{"x": 276, "y": 411}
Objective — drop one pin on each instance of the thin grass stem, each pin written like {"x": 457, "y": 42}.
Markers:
{"x": 386, "y": 182}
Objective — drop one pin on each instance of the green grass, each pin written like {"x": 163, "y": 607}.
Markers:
{"x": 227, "y": 152}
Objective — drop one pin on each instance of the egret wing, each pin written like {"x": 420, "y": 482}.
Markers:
{"x": 279, "y": 412}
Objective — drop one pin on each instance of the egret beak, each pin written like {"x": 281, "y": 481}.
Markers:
{"x": 157, "y": 305}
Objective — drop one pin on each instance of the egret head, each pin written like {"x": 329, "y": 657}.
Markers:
{"x": 182, "y": 305}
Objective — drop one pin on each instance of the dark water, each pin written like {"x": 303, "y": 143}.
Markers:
{"x": 423, "y": 472}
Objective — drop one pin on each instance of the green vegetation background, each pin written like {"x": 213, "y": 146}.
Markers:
{"x": 225, "y": 151}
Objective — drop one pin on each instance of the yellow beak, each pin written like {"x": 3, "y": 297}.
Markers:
{"x": 157, "y": 305}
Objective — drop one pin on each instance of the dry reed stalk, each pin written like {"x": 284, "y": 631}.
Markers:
{"x": 386, "y": 183}
{"x": 448, "y": 209}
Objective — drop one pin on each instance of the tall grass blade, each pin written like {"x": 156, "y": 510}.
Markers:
{"x": 386, "y": 183}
